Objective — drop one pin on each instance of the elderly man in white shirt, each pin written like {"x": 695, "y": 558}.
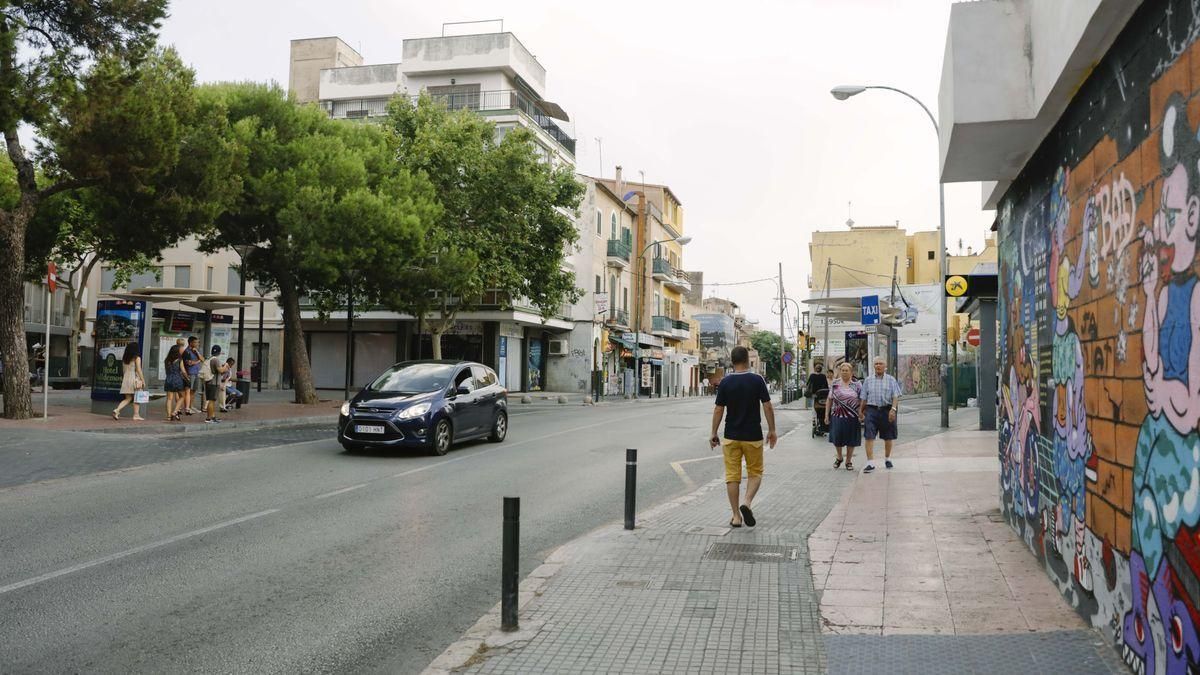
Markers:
{"x": 881, "y": 400}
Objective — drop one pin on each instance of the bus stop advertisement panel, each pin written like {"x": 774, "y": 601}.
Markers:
{"x": 118, "y": 323}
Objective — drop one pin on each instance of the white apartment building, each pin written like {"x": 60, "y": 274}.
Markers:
{"x": 494, "y": 75}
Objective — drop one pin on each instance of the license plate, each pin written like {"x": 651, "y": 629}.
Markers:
{"x": 368, "y": 429}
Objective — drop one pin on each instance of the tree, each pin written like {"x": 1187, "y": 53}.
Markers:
{"x": 75, "y": 74}
{"x": 326, "y": 205}
{"x": 767, "y": 345}
{"x": 506, "y": 222}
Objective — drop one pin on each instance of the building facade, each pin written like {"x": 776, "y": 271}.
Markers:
{"x": 1086, "y": 131}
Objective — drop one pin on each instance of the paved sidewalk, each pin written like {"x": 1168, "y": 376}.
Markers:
{"x": 685, "y": 593}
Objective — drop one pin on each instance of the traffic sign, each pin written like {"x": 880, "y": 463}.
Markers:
{"x": 52, "y": 276}
{"x": 971, "y": 286}
{"x": 955, "y": 286}
{"x": 973, "y": 337}
{"x": 870, "y": 310}
{"x": 787, "y": 358}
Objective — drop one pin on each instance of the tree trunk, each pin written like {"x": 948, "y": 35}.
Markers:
{"x": 17, "y": 404}
{"x": 436, "y": 338}
{"x": 293, "y": 338}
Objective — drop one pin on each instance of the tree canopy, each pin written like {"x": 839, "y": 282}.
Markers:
{"x": 325, "y": 204}
{"x": 507, "y": 215}
{"x": 769, "y": 353}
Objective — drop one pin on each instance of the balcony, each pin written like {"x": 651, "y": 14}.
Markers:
{"x": 618, "y": 317}
{"x": 681, "y": 329}
{"x": 506, "y": 100}
{"x": 618, "y": 253}
{"x": 679, "y": 282}
{"x": 356, "y": 109}
{"x": 661, "y": 326}
{"x": 662, "y": 270}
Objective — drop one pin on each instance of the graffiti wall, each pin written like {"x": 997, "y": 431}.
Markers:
{"x": 1100, "y": 350}
{"x": 919, "y": 373}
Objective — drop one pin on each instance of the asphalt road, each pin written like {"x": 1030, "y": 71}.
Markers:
{"x": 299, "y": 557}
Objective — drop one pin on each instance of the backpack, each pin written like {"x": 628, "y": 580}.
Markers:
{"x": 210, "y": 373}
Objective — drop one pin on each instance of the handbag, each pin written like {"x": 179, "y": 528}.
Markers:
{"x": 141, "y": 396}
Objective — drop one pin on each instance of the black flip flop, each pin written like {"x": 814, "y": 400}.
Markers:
{"x": 733, "y": 524}
{"x": 837, "y": 463}
{"x": 747, "y": 515}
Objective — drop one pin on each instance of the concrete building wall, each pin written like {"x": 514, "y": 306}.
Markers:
{"x": 309, "y": 57}
{"x": 484, "y": 52}
{"x": 861, "y": 248}
{"x": 375, "y": 81}
{"x": 1099, "y": 352}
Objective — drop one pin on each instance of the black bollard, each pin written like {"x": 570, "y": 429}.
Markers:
{"x": 630, "y": 486}
{"x": 508, "y": 565}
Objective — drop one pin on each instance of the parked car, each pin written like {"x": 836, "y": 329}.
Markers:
{"x": 426, "y": 404}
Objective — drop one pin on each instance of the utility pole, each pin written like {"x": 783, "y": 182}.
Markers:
{"x": 782, "y": 343}
{"x": 825, "y": 339}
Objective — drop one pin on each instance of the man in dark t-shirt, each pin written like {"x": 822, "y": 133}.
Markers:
{"x": 740, "y": 393}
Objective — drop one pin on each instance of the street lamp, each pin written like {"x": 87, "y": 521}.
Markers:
{"x": 639, "y": 303}
{"x": 845, "y": 91}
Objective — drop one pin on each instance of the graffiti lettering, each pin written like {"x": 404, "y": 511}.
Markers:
{"x": 1116, "y": 205}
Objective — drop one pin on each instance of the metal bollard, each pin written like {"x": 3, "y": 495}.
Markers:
{"x": 508, "y": 565}
{"x": 630, "y": 486}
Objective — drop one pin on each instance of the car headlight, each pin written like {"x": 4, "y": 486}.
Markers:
{"x": 346, "y": 409}
{"x": 415, "y": 411}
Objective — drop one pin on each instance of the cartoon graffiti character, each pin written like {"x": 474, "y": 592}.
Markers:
{"x": 1166, "y": 488}
{"x": 1072, "y": 442}
{"x": 1159, "y": 630}
{"x": 1170, "y": 342}
{"x": 1023, "y": 411}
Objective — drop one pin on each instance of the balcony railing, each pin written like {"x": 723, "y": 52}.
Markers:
{"x": 507, "y": 99}
{"x": 619, "y": 317}
{"x": 356, "y": 108}
{"x": 661, "y": 266}
{"x": 619, "y": 249}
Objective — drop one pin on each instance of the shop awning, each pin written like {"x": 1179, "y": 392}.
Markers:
{"x": 621, "y": 340}
{"x": 656, "y": 362}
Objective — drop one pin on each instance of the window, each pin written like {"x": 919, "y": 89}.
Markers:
{"x": 612, "y": 220}
{"x": 484, "y": 377}
{"x": 599, "y": 286}
{"x": 208, "y": 274}
{"x": 234, "y": 281}
{"x": 183, "y": 276}
{"x": 456, "y": 96}
{"x": 625, "y": 299}
{"x": 657, "y": 304}
{"x": 146, "y": 279}
{"x": 931, "y": 255}
{"x": 599, "y": 223}
{"x": 464, "y": 379}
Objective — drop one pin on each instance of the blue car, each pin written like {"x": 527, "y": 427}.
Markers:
{"x": 428, "y": 405}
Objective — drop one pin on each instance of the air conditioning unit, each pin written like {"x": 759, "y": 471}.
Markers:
{"x": 558, "y": 348}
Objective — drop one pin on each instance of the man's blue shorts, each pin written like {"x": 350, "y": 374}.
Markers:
{"x": 878, "y": 424}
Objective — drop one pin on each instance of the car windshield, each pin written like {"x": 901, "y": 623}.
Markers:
{"x": 413, "y": 378}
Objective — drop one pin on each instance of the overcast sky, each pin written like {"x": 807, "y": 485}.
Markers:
{"x": 730, "y": 108}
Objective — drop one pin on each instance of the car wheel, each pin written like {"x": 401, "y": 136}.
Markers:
{"x": 443, "y": 436}
{"x": 499, "y": 427}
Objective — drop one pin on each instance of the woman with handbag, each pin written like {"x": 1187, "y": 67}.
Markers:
{"x": 132, "y": 380}
{"x": 174, "y": 383}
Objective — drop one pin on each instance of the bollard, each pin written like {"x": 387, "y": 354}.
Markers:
{"x": 508, "y": 565}
{"x": 630, "y": 486}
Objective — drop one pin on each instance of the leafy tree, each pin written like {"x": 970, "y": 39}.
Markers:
{"x": 325, "y": 203}
{"x": 767, "y": 344}
{"x": 76, "y": 75}
{"x": 506, "y": 223}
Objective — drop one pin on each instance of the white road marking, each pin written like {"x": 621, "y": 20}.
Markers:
{"x": 341, "y": 491}
{"x": 691, "y": 484}
{"x": 133, "y": 551}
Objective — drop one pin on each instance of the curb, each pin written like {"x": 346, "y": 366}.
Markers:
{"x": 225, "y": 425}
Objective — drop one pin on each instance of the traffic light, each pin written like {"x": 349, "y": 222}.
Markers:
{"x": 952, "y": 328}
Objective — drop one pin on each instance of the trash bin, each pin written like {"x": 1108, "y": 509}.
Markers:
{"x": 244, "y": 387}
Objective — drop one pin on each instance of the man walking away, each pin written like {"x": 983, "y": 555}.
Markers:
{"x": 741, "y": 392}
{"x": 881, "y": 399}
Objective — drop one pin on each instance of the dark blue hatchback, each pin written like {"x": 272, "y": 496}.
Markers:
{"x": 426, "y": 404}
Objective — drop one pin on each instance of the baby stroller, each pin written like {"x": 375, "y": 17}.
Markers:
{"x": 820, "y": 400}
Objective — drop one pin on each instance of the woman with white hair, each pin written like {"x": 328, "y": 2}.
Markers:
{"x": 843, "y": 415}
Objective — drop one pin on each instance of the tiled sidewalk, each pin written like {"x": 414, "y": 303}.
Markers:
{"x": 907, "y": 562}
{"x": 922, "y": 549}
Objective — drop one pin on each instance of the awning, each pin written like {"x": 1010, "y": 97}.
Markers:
{"x": 620, "y": 339}
{"x": 656, "y": 362}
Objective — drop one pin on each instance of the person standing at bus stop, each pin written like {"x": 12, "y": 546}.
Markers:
{"x": 740, "y": 393}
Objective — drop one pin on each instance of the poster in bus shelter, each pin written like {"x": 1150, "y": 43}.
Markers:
{"x": 118, "y": 323}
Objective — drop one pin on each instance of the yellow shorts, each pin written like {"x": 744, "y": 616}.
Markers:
{"x": 735, "y": 451}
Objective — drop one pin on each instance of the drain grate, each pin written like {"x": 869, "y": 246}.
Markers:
{"x": 761, "y": 553}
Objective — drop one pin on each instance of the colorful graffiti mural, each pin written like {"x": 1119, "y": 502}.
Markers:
{"x": 1100, "y": 353}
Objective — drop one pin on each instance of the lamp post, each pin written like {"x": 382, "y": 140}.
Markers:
{"x": 262, "y": 304}
{"x": 639, "y": 306}
{"x": 243, "y": 251}
{"x": 844, "y": 92}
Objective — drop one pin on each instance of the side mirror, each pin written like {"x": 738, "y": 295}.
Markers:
{"x": 462, "y": 390}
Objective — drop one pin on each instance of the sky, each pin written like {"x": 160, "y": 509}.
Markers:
{"x": 730, "y": 108}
